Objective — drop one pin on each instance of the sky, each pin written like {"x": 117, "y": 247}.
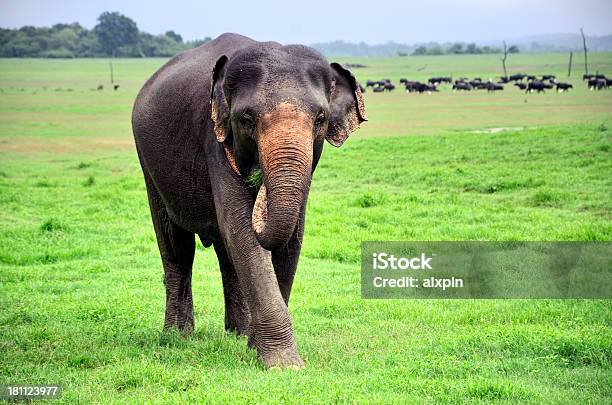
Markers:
{"x": 310, "y": 21}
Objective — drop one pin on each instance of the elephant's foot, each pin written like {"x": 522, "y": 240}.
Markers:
{"x": 275, "y": 343}
{"x": 172, "y": 334}
{"x": 180, "y": 317}
{"x": 185, "y": 326}
{"x": 282, "y": 358}
{"x": 237, "y": 320}
{"x": 179, "y": 302}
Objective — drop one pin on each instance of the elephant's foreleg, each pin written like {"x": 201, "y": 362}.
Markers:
{"x": 271, "y": 330}
{"x": 237, "y": 316}
{"x": 177, "y": 249}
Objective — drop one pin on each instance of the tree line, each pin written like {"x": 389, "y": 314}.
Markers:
{"x": 459, "y": 49}
{"x": 113, "y": 35}
{"x": 342, "y": 48}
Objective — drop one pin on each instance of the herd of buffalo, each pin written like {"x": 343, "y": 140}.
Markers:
{"x": 523, "y": 81}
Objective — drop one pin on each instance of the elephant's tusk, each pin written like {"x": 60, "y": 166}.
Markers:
{"x": 260, "y": 210}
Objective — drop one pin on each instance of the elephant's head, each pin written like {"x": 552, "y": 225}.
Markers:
{"x": 272, "y": 107}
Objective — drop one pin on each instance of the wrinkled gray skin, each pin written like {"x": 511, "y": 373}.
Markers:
{"x": 202, "y": 124}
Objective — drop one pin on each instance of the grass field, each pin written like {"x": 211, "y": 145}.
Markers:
{"x": 81, "y": 294}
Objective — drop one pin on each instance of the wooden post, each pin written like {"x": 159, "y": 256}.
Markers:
{"x": 586, "y": 64}
{"x": 110, "y": 62}
{"x": 569, "y": 67}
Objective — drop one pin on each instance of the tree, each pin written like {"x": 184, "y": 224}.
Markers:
{"x": 472, "y": 49}
{"x": 456, "y": 48}
{"x": 174, "y": 36}
{"x": 435, "y": 50}
{"x": 197, "y": 42}
{"x": 421, "y": 50}
{"x": 584, "y": 46}
{"x": 513, "y": 49}
{"x": 503, "y": 59}
{"x": 64, "y": 38}
{"x": 114, "y": 30}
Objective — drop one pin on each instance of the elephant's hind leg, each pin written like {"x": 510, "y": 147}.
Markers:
{"x": 177, "y": 249}
{"x": 237, "y": 316}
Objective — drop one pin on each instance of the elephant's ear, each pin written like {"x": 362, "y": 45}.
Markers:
{"x": 219, "y": 108}
{"x": 347, "y": 109}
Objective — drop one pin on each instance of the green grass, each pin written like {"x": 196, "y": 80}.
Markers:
{"x": 81, "y": 293}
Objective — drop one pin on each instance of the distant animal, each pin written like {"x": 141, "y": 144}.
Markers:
{"x": 382, "y": 82}
{"x": 389, "y": 87}
{"x": 597, "y": 84}
{"x": 410, "y": 86}
{"x": 601, "y": 81}
{"x": 476, "y": 84}
{"x": 517, "y": 77}
{"x": 536, "y": 85}
{"x": 116, "y": 87}
{"x": 354, "y": 65}
{"x": 100, "y": 87}
{"x": 587, "y": 77}
{"x": 403, "y": 80}
{"x": 531, "y": 78}
{"x": 563, "y": 86}
{"x": 370, "y": 83}
{"x": 426, "y": 88}
{"x": 520, "y": 85}
{"x": 493, "y": 87}
{"x": 462, "y": 86}
{"x": 438, "y": 80}
{"x": 548, "y": 77}
{"x": 378, "y": 89}
{"x": 505, "y": 79}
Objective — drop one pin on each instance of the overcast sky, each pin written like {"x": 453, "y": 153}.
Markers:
{"x": 308, "y": 21}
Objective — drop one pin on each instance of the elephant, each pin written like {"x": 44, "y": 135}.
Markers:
{"x": 207, "y": 125}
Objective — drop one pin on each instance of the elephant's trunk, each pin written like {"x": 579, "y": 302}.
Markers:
{"x": 285, "y": 154}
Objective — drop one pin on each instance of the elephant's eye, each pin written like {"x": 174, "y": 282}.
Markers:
{"x": 320, "y": 118}
{"x": 247, "y": 120}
